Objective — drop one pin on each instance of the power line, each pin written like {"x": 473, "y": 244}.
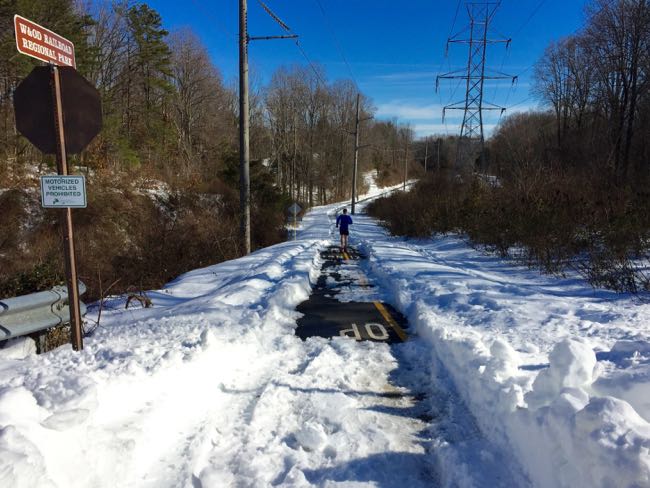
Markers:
{"x": 521, "y": 102}
{"x": 534, "y": 12}
{"x": 530, "y": 17}
{"x": 274, "y": 17}
{"x": 313, "y": 67}
{"x": 336, "y": 40}
{"x": 511, "y": 90}
{"x": 453, "y": 24}
{"x": 451, "y": 31}
{"x": 446, "y": 57}
{"x": 293, "y": 35}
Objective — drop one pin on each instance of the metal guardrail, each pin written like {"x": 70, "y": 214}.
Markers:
{"x": 26, "y": 314}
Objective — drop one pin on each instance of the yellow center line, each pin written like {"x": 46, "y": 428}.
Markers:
{"x": 391, "y": 321}
{"x": 363, "y": 281}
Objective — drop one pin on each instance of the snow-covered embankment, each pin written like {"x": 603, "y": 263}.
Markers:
{"x": 520, "y": 349}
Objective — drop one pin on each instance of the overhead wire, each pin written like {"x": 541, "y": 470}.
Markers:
{"x": 336, "y": 41}
{"x": 446, "y": 58}
{"x": 521, "y": 102}
{"x": 534, "y": 12}
{"x": 513, "y": 87}
{"x": 288, "y": 29}
{"x": 530, "y": 17}
{"x": 313, "y": 67}
{"x": 274, "y": 17}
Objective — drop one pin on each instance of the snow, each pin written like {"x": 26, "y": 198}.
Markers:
{"x": 553, "y": 371}
{"x": 509, "y": 379}
{"x": 571, "y": 365}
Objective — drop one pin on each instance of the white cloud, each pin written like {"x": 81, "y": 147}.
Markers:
{"x": 426, "y": 119}
{"x": 423, "y": 130}
{"x": 407, "y": 76}
{"x": 408, "y": 110}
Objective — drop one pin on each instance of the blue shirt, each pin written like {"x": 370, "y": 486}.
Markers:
{"x": 343, "y": 221}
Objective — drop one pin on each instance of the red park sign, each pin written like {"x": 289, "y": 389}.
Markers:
{"x": 41, "y": 43}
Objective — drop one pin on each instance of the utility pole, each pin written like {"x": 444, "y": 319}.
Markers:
{"x": 426, "y": 154}
{"x": 244, "y": 119}
{"x": 439, "y": 142}
{"x": 471, "y": 132}
{"x": 406, "y": 159}
{"x": 356, "y": 159}
{"x": 244, "y": 125}
{"x": 357, "y": 123}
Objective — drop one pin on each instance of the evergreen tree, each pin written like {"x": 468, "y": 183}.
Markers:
{"x": 150, "y": 73}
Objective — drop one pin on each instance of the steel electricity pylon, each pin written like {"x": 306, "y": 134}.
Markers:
{"x": 472, "y": 137}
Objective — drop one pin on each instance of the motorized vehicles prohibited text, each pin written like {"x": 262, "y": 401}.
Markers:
{"x": 59, "y": 191}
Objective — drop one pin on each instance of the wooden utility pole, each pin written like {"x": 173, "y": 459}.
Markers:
{"x": 356, "y": 159}
{"x": 244, "y": 123}
{"x": 357, "y": 124}
{"x": 426, "y": 154}
{"x": 439, "y": 142}
{"x": 406, "y": 164}
{"x": 244, "y": 119}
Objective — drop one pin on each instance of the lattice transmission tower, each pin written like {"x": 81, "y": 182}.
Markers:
{"x": 472, "y": 140}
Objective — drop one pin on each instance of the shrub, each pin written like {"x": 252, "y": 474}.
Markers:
{"x": 551, "y": 219}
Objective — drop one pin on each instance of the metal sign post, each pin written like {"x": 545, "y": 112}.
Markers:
{"x": 42, "y": 102}
{"x": 294, "y": 210}
{"x": 66, "y": 218}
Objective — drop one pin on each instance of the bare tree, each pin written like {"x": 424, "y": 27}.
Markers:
{"x": 617, "y": 36}
{"x": 199, "y": 99}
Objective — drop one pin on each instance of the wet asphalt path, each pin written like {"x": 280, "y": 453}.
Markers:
{"x": 344, "y": 303}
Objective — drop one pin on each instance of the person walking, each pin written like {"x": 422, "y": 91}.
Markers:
{"x": 342, "y": 223}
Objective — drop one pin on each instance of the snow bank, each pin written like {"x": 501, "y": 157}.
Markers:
{"x": 563, "y": 437}
{"x": 167, "y": 396}
{"x": 631, "y": 381}
{"x": 211, "y": 388}
{"x": 144, "y": 384}
{"x": 541, "y": 393}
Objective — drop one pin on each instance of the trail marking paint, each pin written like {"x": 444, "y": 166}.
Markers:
{"x": 391, "y": 321}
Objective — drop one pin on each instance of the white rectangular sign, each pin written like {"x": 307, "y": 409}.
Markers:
{"x": 59, "y": 191}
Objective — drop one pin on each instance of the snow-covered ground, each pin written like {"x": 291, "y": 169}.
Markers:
{"x": 508, "y": 379}
{"x": 554, "y": 372}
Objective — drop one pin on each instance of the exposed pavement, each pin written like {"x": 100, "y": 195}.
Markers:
{"x": 364, "y": 318}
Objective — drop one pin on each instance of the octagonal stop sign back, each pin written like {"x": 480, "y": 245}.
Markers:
{"x": 34, "y": 107}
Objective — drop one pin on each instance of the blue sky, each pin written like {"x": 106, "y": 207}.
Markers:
{"x": 394, "y": 48}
